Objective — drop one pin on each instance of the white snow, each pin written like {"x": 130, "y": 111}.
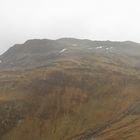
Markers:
{"x": 109, "y": 48}
{"x": 100, "y": 47}
{"x": 63, "y": 50}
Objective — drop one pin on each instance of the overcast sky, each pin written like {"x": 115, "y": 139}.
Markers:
{"x": 21, "y": 20}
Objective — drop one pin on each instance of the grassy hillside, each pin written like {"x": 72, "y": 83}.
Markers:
{"x": 71, "y": 99}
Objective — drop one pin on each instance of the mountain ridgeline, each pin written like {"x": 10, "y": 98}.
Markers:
{"x": 37, "y": 52}
{"x": 70, "y": 89}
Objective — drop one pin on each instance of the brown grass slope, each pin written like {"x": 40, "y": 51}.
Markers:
{"x": 73, "y": 99}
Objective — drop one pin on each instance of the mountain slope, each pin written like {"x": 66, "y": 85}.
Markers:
{"x": 82, "y": 94}
{"x": 36, "y": 52}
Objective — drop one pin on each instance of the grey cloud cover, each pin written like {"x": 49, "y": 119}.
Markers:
{"x": 21, "y": 20}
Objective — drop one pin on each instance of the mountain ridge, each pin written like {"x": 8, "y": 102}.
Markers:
{"x": 25, "y": 55}
{"x": 70, "y": 90}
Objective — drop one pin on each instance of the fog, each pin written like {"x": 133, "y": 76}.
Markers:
{"x": 21, "y": 20}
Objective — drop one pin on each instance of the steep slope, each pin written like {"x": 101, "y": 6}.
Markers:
{"x": 83, "y": 94}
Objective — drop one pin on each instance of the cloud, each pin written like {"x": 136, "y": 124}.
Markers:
{"x": 92, "y": 19}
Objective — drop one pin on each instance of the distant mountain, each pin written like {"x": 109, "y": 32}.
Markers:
{"x": 37, "y": 52}
{"x": 70, "y": 89}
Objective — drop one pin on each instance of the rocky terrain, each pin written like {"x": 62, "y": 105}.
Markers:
{"x": 70, "y": 89}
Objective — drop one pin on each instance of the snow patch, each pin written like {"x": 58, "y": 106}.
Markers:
{"x": 109, "y": 48}
{"x": 100, "y": 47}
{"x": 63, "y": 50}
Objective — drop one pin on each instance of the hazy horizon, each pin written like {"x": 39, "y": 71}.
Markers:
{"x": 85, "y": 19}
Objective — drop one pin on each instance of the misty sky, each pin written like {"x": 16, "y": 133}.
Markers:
{"x": 21, "y": 20}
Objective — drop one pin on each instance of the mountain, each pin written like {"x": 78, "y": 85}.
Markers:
{"x": 70, "y": 89}
{"x": 37, "y": 52}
